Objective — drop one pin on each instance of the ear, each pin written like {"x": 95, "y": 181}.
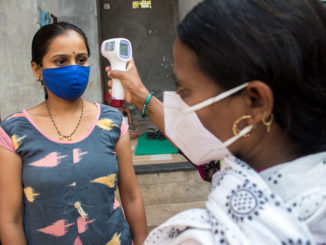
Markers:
{"x": 37, "y": 70}
{"x": 260, "y": 101}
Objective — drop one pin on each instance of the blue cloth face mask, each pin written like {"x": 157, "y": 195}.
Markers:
{"x": 67, "y": 82}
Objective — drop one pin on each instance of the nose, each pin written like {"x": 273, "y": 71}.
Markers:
{"x": 73, "y": 59}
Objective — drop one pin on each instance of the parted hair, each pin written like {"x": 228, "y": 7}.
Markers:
{"x": 46, "y": 34}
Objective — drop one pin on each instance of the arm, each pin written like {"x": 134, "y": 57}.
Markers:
{"x": 136, "y": 93}
{"x": 11, "y": 199}
{"x": 130, "y": 194}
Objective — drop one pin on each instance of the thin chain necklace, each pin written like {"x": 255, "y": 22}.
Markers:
{"x": 62, "y": 136}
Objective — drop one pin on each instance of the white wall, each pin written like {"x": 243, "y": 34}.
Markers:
{"x": 18, "y": 24}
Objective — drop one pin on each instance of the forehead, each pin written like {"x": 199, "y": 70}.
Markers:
{"x": 188, "y": 72}
{"x": 68, "y": 42}
{"x": 184, "y": 57}
{"x": 186, "y": 67}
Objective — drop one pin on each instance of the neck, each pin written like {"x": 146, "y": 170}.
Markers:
{"x": 272, "y": 149}
{"x": 65, "y": 110}
{"x": 62, "y": 107}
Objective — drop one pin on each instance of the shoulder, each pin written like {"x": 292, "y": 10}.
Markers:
{"x": 13, "y": 120}
{"x": 11, "y": 126}
{"x": 108, "y": 112}
{"x": 108, "y": 109}
{"x": 112, "y": 121}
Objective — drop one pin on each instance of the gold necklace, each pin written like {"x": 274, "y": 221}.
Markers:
{"x": 62, "y": 136}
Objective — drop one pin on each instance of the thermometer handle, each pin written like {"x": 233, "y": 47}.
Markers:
{"x": 117, "y": 90}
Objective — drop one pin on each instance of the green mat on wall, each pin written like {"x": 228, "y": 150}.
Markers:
{"x": 154, "y": 146}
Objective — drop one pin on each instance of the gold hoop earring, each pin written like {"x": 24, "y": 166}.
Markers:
{"x": 235, "y": 125}
{"x": 269, "y": 123}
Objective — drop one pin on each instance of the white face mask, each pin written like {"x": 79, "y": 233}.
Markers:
{"x": 185, "y": 130}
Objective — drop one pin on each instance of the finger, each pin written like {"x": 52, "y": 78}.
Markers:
{"x": 108, "y": 68}
{"x": 110, "y": 83}
{"x": 131, "y": 64}
{"x": 116, "y": 74}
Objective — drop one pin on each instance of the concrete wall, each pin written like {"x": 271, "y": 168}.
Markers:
{"x": 166, "y": 194}
{"x": 18, "y": 24}
{"x": 185, "y": 6}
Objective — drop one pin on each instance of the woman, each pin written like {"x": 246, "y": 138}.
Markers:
{"x": 62, "y": 160}
{"x": 251, "y": 92}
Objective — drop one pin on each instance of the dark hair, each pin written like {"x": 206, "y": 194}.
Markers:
{"x": 280, "y": 42}
{"x": 44, "y": 35}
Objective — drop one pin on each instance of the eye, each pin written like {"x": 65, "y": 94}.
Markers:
{"x": 60, "y": 62}
{"x": 176, "y": 83}
{"x": 81, "y": 59}
{"x": 179, "y": 90}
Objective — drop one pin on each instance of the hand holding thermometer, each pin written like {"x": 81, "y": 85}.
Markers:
{"x": 118, "y": 51}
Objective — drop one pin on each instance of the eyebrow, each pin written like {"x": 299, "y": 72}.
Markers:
{"x": 59, "y": 55}
{"x": 82, "y": 53}
{"x": 64, "y": 55}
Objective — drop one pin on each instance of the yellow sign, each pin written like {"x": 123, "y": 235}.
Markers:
{"x": 142, "y": 4}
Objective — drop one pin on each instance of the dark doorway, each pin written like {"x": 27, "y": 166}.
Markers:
{"x": 151, "y": 32}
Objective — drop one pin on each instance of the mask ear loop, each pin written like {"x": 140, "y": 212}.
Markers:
{"x": 228, "y": 142}
{"x": 214, "y": 99}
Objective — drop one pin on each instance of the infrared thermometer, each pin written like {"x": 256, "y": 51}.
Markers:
{"x": 118, "y": 51}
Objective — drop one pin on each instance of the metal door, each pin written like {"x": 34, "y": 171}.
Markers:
{"x": 151, "y": 32}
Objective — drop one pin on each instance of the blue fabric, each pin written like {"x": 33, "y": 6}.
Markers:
{"x": 61, "y": 174}
{"x": 67, "y": 82}
{"x": 44, "y": 18}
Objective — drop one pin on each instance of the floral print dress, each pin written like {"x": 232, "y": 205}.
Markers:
{"x": 69, "y": 186}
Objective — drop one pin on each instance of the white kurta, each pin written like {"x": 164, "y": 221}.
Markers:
{"x": 285, "y": 204}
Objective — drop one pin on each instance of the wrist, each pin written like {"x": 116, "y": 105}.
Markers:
{"x": 144, "y": 108}
{"x": 141, "y": 98}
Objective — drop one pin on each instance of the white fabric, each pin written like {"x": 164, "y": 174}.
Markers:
{"x": 285, "y": 204}
{"x": 186, "y": 131}
{"x": 305, "y": 192}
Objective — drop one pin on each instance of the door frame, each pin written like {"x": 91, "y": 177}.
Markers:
{"x": 104, "y": 77}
